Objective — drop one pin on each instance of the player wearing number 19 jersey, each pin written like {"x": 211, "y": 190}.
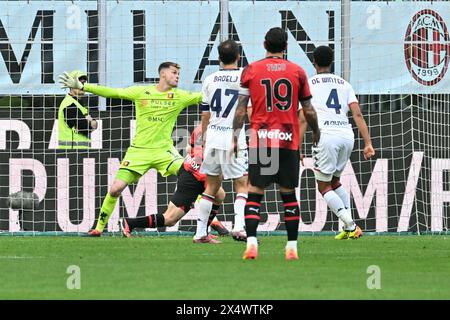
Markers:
{"x": 275, "y": 87}
{"x": 333, "y": 97}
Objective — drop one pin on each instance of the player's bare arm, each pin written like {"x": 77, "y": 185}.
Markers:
{"x": 311, "y": 118}
{"x": 303, "y": 125}
{"x": 369, "y": 152}
{"x": 239, "y": 119}
{"x": 206, "y": 115}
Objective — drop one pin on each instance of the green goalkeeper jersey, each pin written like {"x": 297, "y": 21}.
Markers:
{"x": 156, "y": 112}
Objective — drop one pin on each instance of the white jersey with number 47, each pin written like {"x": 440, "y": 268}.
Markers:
{"x": 331, "y": 97}
{"x": 220, "y": 97}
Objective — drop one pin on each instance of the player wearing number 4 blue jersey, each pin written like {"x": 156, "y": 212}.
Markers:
{"x": 333, "y": 97}
{"x": 220, "y": 95}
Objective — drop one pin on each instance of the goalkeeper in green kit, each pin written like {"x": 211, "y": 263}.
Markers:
{"x": 157, "y": 108}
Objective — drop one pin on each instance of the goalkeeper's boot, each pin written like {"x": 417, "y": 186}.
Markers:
{"x": 124, "y": 228}
{"x": 239, "y": 235}
{"x": 94, "y": 233}
{"x": 217, "y": 226}
{"x": 250, "y": 253}
{"x": 206, "y": 239}
{"x": 291, "y": 254}
{"x": 347, "y": 234}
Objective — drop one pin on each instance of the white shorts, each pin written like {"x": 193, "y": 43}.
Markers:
{"x": 217, "y": 162}
{"x": 331, "y": 156}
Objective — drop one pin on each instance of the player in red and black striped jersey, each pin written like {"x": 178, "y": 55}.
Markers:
{"x": 190, "y": 184}
{"x": 275, "y": 87}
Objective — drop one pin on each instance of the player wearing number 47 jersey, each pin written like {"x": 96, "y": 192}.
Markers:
{"x": 333, "y": 97}
{"x": 275, "y": 87}
{"x": 220, "y": 93}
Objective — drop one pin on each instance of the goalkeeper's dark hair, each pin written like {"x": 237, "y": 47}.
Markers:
{"x": 168, "y": 64}
{"x": 228, "y": 51}
{"x": 275, "y": 40}
{"x": 323, "y": 56}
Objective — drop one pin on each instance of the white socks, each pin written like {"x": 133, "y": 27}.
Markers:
{"x": 239, "y": 209}
{"x": 252, "y": 241}
{"x": 292, "y": 245}
{"x": 337, "y": 206}
{"x": 204, "y": 209}
{"x": 343, "y": 194}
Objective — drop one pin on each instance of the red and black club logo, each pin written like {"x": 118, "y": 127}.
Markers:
{"x": 427, "y": 47}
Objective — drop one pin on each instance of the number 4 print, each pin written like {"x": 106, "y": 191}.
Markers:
{"x": 333, "y": 101}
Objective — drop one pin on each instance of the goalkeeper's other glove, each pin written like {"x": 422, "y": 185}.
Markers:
{"x": 69, "y": 82}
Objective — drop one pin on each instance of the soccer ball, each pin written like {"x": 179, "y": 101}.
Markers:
{"x": 22, "y": 200}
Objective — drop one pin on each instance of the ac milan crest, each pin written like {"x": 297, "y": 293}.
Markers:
{"x": 427, "y": 49}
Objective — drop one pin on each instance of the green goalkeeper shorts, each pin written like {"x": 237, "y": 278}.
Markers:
{"x": 166, "y": 162}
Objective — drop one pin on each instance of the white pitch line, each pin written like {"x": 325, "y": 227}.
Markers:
{"x": 18, "y": 257}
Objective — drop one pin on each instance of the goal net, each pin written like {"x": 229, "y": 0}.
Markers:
{"x": 394, "y": 53}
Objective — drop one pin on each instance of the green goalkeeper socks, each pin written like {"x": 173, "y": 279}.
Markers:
{"x": 106, "y": 211}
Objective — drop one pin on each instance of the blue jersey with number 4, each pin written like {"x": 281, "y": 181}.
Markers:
{"x": 331, "y": 97}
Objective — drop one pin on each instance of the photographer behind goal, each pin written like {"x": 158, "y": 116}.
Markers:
{"x": 74, "y": 122}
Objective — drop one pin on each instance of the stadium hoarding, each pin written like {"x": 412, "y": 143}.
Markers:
{"x": 399, "y": 47}
{"x": 403, "y": 189}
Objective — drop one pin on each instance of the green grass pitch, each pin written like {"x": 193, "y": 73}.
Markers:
{"x": 172, "y": 267}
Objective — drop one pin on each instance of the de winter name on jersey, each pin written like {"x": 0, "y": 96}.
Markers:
{"x": 331, "y": 97}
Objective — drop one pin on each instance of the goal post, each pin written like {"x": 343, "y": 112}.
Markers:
{"x": 394, "y": 53}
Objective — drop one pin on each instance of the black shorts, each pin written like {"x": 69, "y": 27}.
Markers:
{"x": 268, "y": 165}
{"x": 188, "y": 189}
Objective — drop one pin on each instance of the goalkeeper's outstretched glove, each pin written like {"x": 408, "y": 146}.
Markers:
{"x": 69, "y": 82}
